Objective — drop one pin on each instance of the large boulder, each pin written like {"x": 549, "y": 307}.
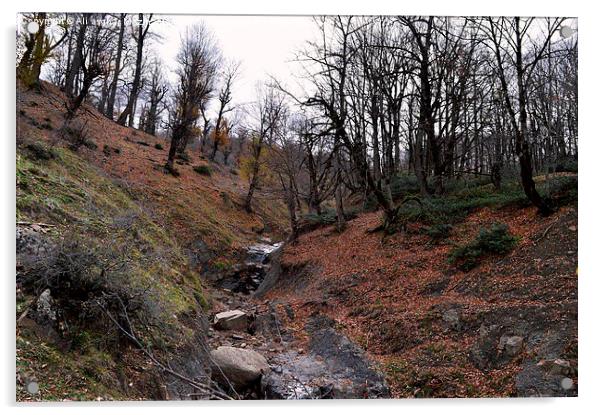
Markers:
{"x": 231, "y": 320}
{"x": 240, "y": 367}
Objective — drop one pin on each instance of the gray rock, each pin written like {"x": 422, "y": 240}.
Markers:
{"x": 231, "y": 320}
{"x": 556, "y": 366}
{"x": 452, "y": 319}
{"x": 240, "y": 367}
{"x": 45, "y": 306}
{"x": 511, "y": 345}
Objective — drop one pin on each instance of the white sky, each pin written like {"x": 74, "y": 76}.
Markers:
{"x": 264, "y": 45}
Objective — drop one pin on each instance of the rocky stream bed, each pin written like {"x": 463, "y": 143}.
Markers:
{"x": 255, "y": 355}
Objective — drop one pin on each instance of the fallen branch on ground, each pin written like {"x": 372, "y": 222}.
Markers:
{"x": 210, "y": 390}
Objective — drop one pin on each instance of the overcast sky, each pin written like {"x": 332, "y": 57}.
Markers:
{"x": 265, "y": 45}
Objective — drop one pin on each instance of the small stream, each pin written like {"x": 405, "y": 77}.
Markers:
{"x": 245, "y": 278}
{"x": 332, "y": 366}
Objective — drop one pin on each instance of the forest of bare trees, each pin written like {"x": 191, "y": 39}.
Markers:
{"x": 433, "y": 98}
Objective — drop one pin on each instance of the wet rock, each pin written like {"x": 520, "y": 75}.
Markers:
{"x": 248, "y": 277}
{"x": 272, "y": 274}
{"x": 269, "y": 325}
{"x": 296, "y": 377}
{"x": 260, "y": 253}
{"x": 240, "y": 367}
{"x": 265, "y": 240}
{"x": 348, "y": 360}
{"x": 231, "y": 320}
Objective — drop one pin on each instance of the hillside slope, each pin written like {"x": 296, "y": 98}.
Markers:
{"x": 110, "y": 213}
{"x": 436, "y": 330}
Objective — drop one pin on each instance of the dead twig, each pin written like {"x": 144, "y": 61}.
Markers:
{"x": 212, "y": 391}
{"x": 545, "y": 233}
{"x": 41, "y": 224}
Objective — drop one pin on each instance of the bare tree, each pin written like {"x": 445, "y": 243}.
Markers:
{"x": 140, "y": 36}
{"x": 158, "y": 88}
{"x": 509, "y": 37}
{"x": 117, "y": 68}
{"x": 268, "y": 113}
{"x": 197, "y": 59}
{"x": 224, "y": 98}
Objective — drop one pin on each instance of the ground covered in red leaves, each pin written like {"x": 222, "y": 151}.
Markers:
{"x": 197, "y": 207}
{"x": 425, "y": 321}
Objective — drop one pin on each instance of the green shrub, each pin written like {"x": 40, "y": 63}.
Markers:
{"x": 560, "y": 191}
{"x": 183, "y": 156}
{"x": 159, "y": 146}
{"x": 438, "y": 231}
{"x": 88, "y": 282}
{"x": 202, "y": 170}
{"x": 495, "y": 240}
{"x": 568, "y": 164}
{"x": 311, "y": 221}
{"x": 40, "y": 151}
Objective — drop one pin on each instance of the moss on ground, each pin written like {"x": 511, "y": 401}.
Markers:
{"x": 80, "y": 199}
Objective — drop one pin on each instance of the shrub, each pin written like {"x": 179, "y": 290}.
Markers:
{"x": 495, "y": 240}
{"x": 46, "y": 126}
{"x": 40, "y": 151}
{"x": 438, "y": 231}
{"x": 311, "y": 221}
{"x": 202, "y": 170}
{"x": 560, "y": 191}
{"x": 183, "y": 156}
{"x": 107, "y": 150}
{"x": 159, "y": 146}
{"x": 86, "y": 282}
{"x": 76, "y": 132}
{"x": 567, "y": 164}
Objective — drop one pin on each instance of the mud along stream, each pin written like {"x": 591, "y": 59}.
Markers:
{"x": 255, "y": 354}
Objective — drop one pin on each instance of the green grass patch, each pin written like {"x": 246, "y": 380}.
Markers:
{"x": 83, "y": 201}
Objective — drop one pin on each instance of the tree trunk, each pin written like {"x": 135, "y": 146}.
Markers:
{"x": 522, "y": 144}
{"x": 129, "y": 108}
{"x": 76, "y": 62}
{"x": 254, "y": 179}
{"x": 113, "y": 88}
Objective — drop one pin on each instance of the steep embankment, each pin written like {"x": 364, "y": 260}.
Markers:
{"x": 103, "y": 226}
{"x": 496, "y": 330}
